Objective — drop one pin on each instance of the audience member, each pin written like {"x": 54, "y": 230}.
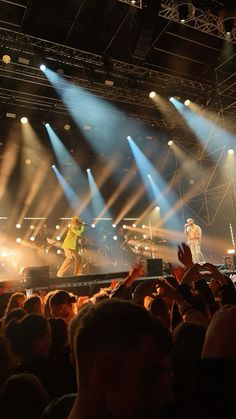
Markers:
{"x": 123, "y": 358}
{"x": 22, "y": 397}
{"x": 34, "y": 304}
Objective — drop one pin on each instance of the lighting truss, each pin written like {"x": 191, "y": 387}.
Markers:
{"x": 134, "y": 3}
{"x": 203, "y": 21}
{"x": 56, "y": 107}
{"x": 62, "y": 54}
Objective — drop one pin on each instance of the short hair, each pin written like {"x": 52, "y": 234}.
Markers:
{"x": 117, "y": 326}
{"x": 190, "y": 219}
{"x": 21, "y": 334}
{"x": 33, "y": 304}
{"x": 24, "y": 394}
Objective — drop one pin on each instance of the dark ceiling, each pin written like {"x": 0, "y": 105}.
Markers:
{"x": 112, "y": 32}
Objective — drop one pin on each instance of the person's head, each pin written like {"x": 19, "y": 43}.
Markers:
{"x": 29, "y": 337}
{"x": 220, "y": 341}
{"x": 16, "y": 300}
{"x": 15, "y": 313}
{"x": 46, "y": 302}
{"x": 159, "y": 308}
{"x": 23, "y": 396}
{"x": 190, "y": 221}
{"x": 123, "y": 357}
{"x": 76, "y": 220}
{"x": 228, "y": 260}
{"x": 34, "y": 304}
{"x": 62, "y": 304}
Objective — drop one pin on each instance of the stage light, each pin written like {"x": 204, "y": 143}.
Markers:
{"x": 42, "y": 67}
{"x": 124, "y": 226}
{"x": 187, "y": 102}
{"x": 53, "y": 166}
{"x": 32, "y": 239}
{"x": 171, "y": 142}
{"x": 171, "y": 99}
{"x": 88, "y": 170}
{"x": 6, "y": 59}
{"x": 18, "y": 240}
{"x": 114, "y": 225}
{"x": 4, "y": 254}
{"x": 231, "y": 151}
{"x": 93, "y": 225}
{"x": 67, "y": 127}
{"x": 114, "y": 237}
{"x": 146, "y": 248}
{"x": 28, "y": 162}
{"x": 58, "y": 251}
{"x": 186, "y": 11}
{"x": 57, "y": 227}
{"x": 128, "y": 138}
{"x": 231, "y": 251}
{"x": 133, "y": 2}
{"x": 134, "y": 225}
{"x": 18, "y": 225}
{"x": 58, "y": 238}
{"x": 157, "y": 208}
{"x": 32, "y": 227}
{"x": 149, "y": 176}
{"x": 24, "y": 120}
{"x": 143, "y": 226}
{"x": 47, "y": 124}
{"x": 144, "y": 236}
{"x": 152, "y": 95}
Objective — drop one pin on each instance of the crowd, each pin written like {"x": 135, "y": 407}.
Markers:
{"x": 159, "y": 348}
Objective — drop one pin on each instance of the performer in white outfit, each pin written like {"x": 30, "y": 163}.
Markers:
{"x": 194, "y": 236}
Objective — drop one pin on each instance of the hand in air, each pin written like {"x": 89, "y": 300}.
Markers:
{"x": 216, "y": 274}
{"x": 178, "y": 272}
{"x": 185, "y": 255}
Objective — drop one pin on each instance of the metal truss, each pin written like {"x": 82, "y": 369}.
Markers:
{"x": 203, "y": 21}
{"x": 134, "y": 3}
{"x": 49, "y": 106}
{"x": 212, "y": 193}
{"x": 62, "y": 54}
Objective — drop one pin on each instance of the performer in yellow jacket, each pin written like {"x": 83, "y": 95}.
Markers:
{"x": 71, "y": 247}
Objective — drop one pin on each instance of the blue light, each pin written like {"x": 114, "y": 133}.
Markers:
{"x": 42, "y": 67}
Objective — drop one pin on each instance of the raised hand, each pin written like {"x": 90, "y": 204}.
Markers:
{"x": 178, "y": 272}
{"x": 185, "y": 255}
{"x": 216, "y": 274}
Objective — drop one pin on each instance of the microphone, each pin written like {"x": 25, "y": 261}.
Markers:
{"x": 84, "y": 224}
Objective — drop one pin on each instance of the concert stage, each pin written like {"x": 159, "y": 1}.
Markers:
{"x": 36, "y": 279}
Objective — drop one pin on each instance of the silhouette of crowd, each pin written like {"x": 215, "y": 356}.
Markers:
{"x": 156, "y": 348}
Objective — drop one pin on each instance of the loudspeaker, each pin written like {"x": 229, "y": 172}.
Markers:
{"x": 154, "y": 267}
{"x": 35, "y": 276}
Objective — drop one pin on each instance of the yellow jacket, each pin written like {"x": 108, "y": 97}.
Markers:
{"x": 71, "y": 239}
